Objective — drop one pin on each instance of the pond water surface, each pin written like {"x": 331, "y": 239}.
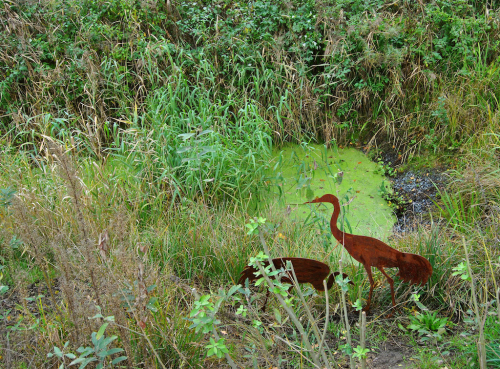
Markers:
{"x": 301, "y": 173}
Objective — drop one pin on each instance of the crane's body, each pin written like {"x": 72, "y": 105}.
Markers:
{"x": 370, "y": 251}
{"x": 306, "y": 271}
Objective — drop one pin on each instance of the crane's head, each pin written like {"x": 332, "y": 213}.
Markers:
{"x": 325, "y": 198}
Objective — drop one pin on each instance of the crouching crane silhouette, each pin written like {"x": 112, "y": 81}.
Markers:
{"x": 371, "y": 252}
{"x": 306, "y": 270}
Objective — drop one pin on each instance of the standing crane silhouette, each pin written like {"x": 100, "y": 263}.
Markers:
{"x": 371, "y": 252}
{"x": 306, "y": 270}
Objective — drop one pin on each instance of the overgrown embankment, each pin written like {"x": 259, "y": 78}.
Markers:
{"x": 425, "y": 76}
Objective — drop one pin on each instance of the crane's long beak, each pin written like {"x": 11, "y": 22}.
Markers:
{"x": 302, "y": 203}
{"x": 311, "y": 202}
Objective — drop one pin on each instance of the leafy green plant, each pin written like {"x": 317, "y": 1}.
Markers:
{"x": 428, "y": 324}
{"x": 198, "y": 149}
{"x": 6, "y": 196}
{"x": 203, "y": 317}
{"x": 463, "y": 271}
{"x": 61, "y": 355}
{"x": 217, "y": 348}
{"x": 386, "y": 169}
{"x": 101, "y": 352}
{"x": 360, "y": 352}
{"x": 254, "y": 225}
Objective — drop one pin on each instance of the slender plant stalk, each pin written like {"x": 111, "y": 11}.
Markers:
{"x": 362, "y": 338}
{"x": 498, "y": 303}
{"x": 359, "y": 297}
{"x": 497, "y": 289}
{"x": 294, "y": 318}
{"x": 327, "y": 316}
{"x": 266, "y": 249}
{"x": 481, "y": 343}
{"x": 346, "y": 319}
{"x": 320, "y": 339}
{"x": 311, "y": 319}
{"x": 289, "y": 311}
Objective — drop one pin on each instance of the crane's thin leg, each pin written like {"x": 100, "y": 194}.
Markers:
{"x": 391, "y": 283}
{"x": 372, "y": 285}
{"x": 265, "y": 302}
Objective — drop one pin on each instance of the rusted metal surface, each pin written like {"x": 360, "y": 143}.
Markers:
{"x": 413, "y": 269}
{"x": 306, "y": 270}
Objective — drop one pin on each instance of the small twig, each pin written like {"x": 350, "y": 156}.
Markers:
{"x": 498, "y": 303}
{"x": 362, "y": 338}
{"x": 296, "y": 348}
{"x": 347, "y": 326}
{"x": 327, "y": 314}
{"x": 481, "y": 342}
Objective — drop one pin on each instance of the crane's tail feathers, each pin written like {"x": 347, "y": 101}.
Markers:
{"x": 247, "y": 273}
{"x": 414, "y": 269}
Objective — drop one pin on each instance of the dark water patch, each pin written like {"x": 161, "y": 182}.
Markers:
{"x": 414, "y": 195}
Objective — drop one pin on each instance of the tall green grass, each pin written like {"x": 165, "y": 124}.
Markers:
{"x": 383, "y": 71}
{"x": 193, "y": 147}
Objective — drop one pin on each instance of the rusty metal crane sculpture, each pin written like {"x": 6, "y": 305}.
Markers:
{"x": 306, "y": 270}
{"x": 371, "y": 252}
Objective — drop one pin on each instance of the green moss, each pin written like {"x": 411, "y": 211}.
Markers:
{"x": 301, "y": 173}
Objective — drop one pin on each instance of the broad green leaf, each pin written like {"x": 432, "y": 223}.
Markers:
{"x": 118, "y": 360}
{"x": 259, "y": 281}
{"x": 101, "y": 331}
{"x": 206, "y": 131}
{"x": 277, "y": 315}
{"x": 232, "y": 290}
{"x": 421, "y": 306}
{"x": 112, "y": 351}
{"x": 186, "y": 136}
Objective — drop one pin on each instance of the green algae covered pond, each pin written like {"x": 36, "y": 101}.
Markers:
{"x": 301, "y": 173}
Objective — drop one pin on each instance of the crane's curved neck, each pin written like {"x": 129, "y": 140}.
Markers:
{"x": 337, "y": 233}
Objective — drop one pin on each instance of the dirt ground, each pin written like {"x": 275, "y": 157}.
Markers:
{"x": 391, "y": 355}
